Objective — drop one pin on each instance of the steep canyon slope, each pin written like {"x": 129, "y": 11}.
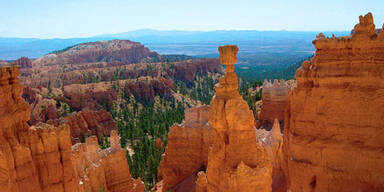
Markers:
{"x": 118, "y": 85}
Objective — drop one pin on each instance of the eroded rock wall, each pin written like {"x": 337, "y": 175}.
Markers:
{"x": 36, "y": 158}
{"x": 334, "y": 132}
{"x": 104, "y": 169}
{"x": 274, "y": 101}
{"x": 187, "y": 149}
{"x": 86, "y": 123}
{"x": 40, "y": 158}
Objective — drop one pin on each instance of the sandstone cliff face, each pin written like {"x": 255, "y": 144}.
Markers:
{"x": 39, "y": 158}
{"x": 103, "y": 169}
{"x": 33, "y": 159}
{"x": 82, "y": 124}
{"x": 87, "y": 96}
{"x": 145, "y": 91}
{"x": 272, "y": 141}
{"x": 87, "y": 123}
{"x": 187, "y": 149}
{"x": 273, "y": 98}
{"x": 231, "y": 166}
{"x": 334, "y": 136}
{"x": 187, "y": 71}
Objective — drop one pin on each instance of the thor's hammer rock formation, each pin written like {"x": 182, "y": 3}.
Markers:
{"x": 236, "y": 162}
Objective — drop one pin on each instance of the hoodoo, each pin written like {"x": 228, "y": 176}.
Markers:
{"x": 236, "y": 162}
{"x": 334, "y": 128}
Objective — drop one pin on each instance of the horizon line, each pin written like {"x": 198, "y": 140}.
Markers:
{"x": 173, "y": 30}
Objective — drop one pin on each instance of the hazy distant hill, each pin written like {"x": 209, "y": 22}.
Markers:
{"x": 195, "y": 43}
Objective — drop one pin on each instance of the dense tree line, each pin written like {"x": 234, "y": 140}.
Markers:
{"x": 248, "y": 90}
{"x": 139, "y": 124}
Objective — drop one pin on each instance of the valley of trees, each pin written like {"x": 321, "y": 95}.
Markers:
{"x": 142, "y": 122}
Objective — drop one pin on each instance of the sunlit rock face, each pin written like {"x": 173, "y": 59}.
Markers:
{"x": 236, "y": 162}
{"x": 103, "y": 169}
{"x": 32, "y": 158}
{"x": 274, "y": 101}
{"x": 272, "y": 141}
{"x": 187, "y": 149}
{"x": 40, "y": 158}
{"x": 334, "y": 129}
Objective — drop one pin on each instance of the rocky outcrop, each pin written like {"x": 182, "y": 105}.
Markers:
{"x": 50, "y": 149}
{"x": 333, "y": 134}
{"x": 88, "y": 96}
{"x": 272, "y": 141}
{"x": 231, "y": 166}
{"x": 145, "y": 91}
{"x": 186, "y": 71}
{"x": 43, "y": 107}
{"x": 43, "y": 110}
{"x": 38, "y": 158}
{"x": 87, "y": 123}
{"x": 120, "y": 51}
{"x": 103, "y": 169}
{"x": 273, "y": 99}
{"x": 29, "y": 95}
{"x": 23, "y": 62}
{"x": 187, "y": 149}
{"x": 25, "y": 65}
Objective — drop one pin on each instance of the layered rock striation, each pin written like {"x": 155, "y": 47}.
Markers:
{"x": 272, "y": 141}
{"x": 187, "y": 149}
{"x": 231, "y": 165}
{"x": 86, "y": 123}
{"x": 103, "y": 169}
{"x": 23, "y": 62}
{"x": 32, "y": 159}
{"x": 39, "y": 158}
{"x": 121, "y": 51}
{"x": 274, "y": 101}
{"x": 334, "y": 132}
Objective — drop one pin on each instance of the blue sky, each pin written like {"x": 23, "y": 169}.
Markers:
{"x": 82, "y": 18}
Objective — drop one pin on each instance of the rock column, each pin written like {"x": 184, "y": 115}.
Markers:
{"x": 235, "y": 162}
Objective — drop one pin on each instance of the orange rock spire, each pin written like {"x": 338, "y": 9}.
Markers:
{"x": 235, "y": 162}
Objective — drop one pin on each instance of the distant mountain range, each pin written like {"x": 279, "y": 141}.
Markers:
{"x": 195, "y": 43}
